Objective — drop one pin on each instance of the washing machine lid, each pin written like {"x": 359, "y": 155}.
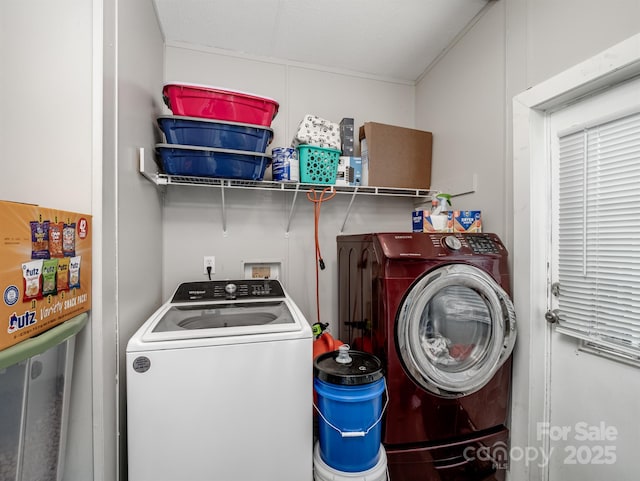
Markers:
{"x": 222, "y": 309}
{"x": 237, "y": 316}
{"x": 455, "y": 328}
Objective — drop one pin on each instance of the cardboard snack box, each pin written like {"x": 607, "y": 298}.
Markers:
{"x": 45, "y": 269}
{"x": 396, "y": 156}
{"x": 422, "y": 221}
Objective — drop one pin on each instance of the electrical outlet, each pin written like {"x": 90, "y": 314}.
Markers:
{"x": 209, "y": 261}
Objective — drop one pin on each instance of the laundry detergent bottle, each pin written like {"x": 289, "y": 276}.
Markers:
{"x": 323, "y": 342}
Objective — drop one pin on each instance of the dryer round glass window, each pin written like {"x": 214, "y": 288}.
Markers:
{"x": 455, "y": 328}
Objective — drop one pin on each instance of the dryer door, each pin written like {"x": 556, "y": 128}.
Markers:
{"x": 454, "y": 330}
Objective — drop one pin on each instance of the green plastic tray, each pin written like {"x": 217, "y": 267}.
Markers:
{"x": 42, "y": 342}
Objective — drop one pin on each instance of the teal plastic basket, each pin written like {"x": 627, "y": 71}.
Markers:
{"x": 318, "y": 165}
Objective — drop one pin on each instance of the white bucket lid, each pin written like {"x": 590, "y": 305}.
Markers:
{"x": 323, "y": 472}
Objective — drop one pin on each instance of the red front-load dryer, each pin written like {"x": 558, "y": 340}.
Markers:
{"x": 435, "y": 308}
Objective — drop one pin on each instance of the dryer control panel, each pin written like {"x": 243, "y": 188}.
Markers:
{"x": 434, "y": 245}
{"x": 469, "y": 243}
{"x": 228, "y": 290}
{"x": 483, "y": 244}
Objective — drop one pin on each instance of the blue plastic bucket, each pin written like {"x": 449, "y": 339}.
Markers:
{"x": 350, "y": 408}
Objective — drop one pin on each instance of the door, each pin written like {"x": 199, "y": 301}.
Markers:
{"x": 593, "y": 383}
{"x": 455, "y": 328}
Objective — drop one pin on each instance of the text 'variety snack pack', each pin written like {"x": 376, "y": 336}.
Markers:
{"x": 45, "y": 269}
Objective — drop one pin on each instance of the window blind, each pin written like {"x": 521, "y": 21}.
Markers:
{"x": 598, "y": 235}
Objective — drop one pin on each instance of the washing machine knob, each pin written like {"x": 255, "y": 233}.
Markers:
{"x": 230, "y": 289}
{"x": 452, "y": 242}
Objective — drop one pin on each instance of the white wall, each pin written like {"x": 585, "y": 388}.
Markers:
{"x": 517, "y": 44}
{"x": 466, "y": 97}
{"x": 299, "y": 89}
{"x": 45, "y": 75}
{"x": 256, "y": 220}
{"x": 462, "y": 99}
{"x": 563, "y": 33}
{"x": 138, "y": 203}
{"x": 46, "y": 147}
{"x": 56, "y": 153}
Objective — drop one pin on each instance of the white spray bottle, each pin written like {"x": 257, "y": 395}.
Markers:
{"x": 440, "y": 214}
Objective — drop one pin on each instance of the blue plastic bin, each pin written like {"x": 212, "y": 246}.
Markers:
{"x": 216, "y": 134}
{"x": 209, "y": 162}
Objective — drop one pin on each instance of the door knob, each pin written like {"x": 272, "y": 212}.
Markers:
{"x": 553, "y": 316}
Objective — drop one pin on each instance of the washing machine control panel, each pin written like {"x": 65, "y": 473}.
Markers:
{"x": 228, "y": 290}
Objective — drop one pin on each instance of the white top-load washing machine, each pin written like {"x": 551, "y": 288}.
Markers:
{"x": 220, "y": 387}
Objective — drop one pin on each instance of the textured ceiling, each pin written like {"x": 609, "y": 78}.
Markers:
{"x": 391, "y": 39}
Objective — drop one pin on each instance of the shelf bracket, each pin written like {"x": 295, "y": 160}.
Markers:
{"x": 353, "y": 197}
{"x": 293, "y": 204}
{"x": 155, "y": 179}
{"x": 465, "y": 190}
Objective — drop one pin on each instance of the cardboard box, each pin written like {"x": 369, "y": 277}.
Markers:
{"x": 467, "y": 221}
{"x": 422, "y": 221}
{"x": 347, "y": 137}
{"x": 347, "y": 126}
{"x": 396, "y": 156}
{"x": 349, "y": 171}
{"x": 355, "y": 164}
{"x": 45, "y": 269}
{"x": 347, "y": 149}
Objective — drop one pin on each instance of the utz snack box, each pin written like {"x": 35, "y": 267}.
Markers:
{"x": 45, "y": 269}
{"x": 467, "y": 221}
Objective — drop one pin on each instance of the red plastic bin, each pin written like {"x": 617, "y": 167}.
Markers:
{"x": 219, "y": 104}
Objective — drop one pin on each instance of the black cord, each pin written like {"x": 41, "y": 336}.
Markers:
{"x": 209, "y": 271}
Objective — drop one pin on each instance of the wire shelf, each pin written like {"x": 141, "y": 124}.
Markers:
{"x": 166, "y": 179}
{"x": 163, "y": 180}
